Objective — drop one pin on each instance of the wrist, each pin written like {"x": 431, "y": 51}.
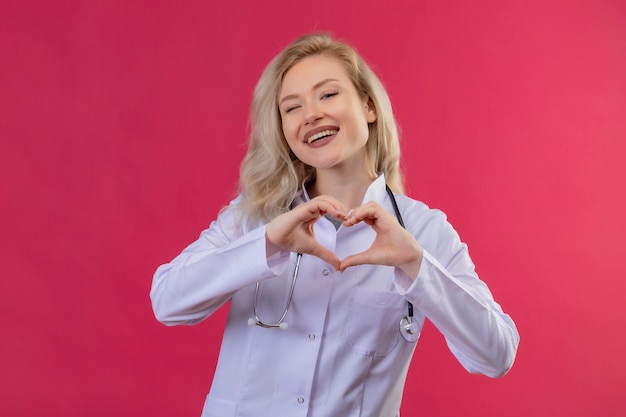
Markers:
{"x": 412, "y": 268}
{"x": 270, "y": 247}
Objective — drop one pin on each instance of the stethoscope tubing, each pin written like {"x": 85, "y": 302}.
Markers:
{"x": 281, "y": 322}
{"x": 406, "y": 323}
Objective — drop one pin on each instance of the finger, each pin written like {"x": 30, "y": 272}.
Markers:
{"x": 328, "y": 205}
{"x": 354, "y": 260}
{"x": 368, "y": 213}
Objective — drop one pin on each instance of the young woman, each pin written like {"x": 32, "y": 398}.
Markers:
{"x": 329, "y": 269}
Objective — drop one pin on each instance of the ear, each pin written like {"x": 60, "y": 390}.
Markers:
{"x": 370, "y": 110}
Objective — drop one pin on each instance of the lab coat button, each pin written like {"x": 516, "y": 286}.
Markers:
{"x": 325, "y": 272}
{"x": 311, "y": 336}
{"x": 300, "y": 400}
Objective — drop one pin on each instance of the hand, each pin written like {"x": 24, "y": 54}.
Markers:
{"x": 393, "y": 246}
{"x": 293, "y": 231}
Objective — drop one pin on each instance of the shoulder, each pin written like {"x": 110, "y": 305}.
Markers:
{"x": 231, "y": 222}
{"x": 430, "y": 226}
{"x": 418, "y": 210}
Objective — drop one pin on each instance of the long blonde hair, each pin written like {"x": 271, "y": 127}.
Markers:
{"x": 270, "y": 175}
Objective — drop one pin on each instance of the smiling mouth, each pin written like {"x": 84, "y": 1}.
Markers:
{"x": 321, "y": 135}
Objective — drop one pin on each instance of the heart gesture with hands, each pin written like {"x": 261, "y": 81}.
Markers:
{"x": 393, "y": 245}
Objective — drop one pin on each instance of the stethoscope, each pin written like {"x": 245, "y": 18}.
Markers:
{"x": 409, "y": 328}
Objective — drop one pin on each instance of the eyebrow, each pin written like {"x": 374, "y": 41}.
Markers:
{"x": 316, "y": 86}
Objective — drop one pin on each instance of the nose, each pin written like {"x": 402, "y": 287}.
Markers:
{"x": 313, "y": 114}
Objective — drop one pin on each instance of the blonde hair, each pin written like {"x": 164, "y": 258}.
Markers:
{"x": 270, "y": 175}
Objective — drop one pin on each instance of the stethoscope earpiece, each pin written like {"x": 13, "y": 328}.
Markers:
{"x": 281, "y": 326}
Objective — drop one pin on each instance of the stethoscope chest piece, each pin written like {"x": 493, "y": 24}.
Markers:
{"x": 409, "y": 329}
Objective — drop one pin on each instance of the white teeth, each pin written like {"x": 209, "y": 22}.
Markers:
{"x": 321, "y": 134}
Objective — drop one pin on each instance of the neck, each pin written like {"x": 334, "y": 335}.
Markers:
{"x": 349, "y": 190}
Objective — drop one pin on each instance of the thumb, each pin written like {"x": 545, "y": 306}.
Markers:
{"x": 326, "y": 255}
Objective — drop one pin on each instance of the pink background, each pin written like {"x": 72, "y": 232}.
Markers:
{"x": 122, "y": 125}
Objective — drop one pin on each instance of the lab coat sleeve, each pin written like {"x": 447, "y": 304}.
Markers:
{"x": 224, "y": 259}
{"x": 447, "y": 289}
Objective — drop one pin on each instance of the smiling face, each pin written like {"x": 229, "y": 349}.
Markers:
{"x": 324, "y": 120}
